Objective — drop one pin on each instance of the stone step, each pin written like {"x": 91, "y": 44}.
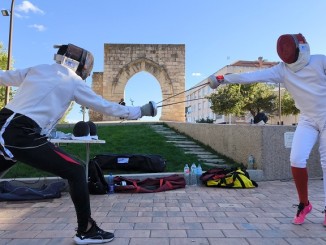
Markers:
{"x": 196, "y": 147}
{"x": 216, "y": 161}
{"x": 199, "y": 151}
{"x": 190, "y": 147}
{"x": 208, "y": 156}
{"x": 185, "y": 142}
{"x": 216, "y": 165}
{"x": 165, "y": 132}
{"x": 198, "y": 154}
{"x": 173, "y": 137}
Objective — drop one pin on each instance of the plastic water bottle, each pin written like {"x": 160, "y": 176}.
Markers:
{"x": 199, "y": 173}
{"x": 251, "y": 162}
{"x": 193, "y": 175}
{"x": 186, "y": 173}
{"x": 110, "y": 184}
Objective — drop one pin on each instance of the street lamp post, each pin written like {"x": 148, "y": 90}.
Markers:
{"x": 279, "y": 104}
{"x": 11, "y": 14}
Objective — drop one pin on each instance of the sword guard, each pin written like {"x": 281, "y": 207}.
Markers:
{"x": 154, "y": 108}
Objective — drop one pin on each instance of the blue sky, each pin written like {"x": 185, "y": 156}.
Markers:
{"x": 215, "y": 32}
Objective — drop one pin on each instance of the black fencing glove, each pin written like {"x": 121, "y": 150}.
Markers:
{"x": 149, "y": 109}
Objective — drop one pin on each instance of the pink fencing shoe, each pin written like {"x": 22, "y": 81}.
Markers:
{"x": 301, "y": 213}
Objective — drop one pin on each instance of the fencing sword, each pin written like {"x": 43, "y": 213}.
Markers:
{"x": 201, "y": 85}
{"x": 213, "y": 83}
{"x": 181, "y": 102}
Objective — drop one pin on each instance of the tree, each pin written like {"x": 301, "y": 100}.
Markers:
{"x": 238, "y": 99}
{"x": 288, "y": 106}
{"x": 3, "y": 66}
{"x": 258, "y": 97}
{"x": 227, "y": 100}
{"x": 63, "y": 119}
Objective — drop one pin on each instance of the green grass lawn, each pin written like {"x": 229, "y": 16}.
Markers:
{"x": 121, "y": 139}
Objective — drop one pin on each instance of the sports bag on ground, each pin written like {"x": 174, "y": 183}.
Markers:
{"x": 148, "y": 185}
{"x": 96, "y": 182}
{"x": 12, "y": 192}
{"x": 146, "y": 163}
{"x": 228, "y": 178}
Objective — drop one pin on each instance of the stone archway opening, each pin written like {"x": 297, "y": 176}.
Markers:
{"x": 165, "y": 62}
{"x": 142, "y": 88}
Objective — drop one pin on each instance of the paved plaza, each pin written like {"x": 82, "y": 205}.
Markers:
{"x": 192, "y": 216}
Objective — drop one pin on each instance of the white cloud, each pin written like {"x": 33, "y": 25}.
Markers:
{"x": 38, "y": 27}
{"x": 27, "y": 7}
{"x": 20, "y": 16}
{"x": 196, "y": 74}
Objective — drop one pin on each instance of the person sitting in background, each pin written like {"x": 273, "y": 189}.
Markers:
{"x": 260, "y": 118}
{"x": 122, "y": 102}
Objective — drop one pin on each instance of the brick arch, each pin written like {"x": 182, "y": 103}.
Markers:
{"x": 165, "y": 62}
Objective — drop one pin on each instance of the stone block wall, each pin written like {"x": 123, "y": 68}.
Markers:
{"x": 265, "y": 143}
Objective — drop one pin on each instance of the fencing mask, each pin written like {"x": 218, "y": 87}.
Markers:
{"x": 288, "y": 47}
{"x": 75, "y": 58}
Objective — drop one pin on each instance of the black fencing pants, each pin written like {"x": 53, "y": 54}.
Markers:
{"x": 22, "y": 138}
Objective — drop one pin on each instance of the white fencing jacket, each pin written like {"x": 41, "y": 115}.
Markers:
{"x": 307, "y": 86}
{"x": 46, "y": 91}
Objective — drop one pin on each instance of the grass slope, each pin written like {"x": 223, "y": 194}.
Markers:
{"x": 121, "y": 139}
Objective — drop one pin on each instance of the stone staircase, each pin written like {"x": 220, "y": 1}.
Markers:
{"x": 189, "y": 147}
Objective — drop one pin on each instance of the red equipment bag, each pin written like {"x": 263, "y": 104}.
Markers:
{"x": 148, "y": 185}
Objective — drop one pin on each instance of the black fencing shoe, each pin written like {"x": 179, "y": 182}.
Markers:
{"x": 93, "y": 235}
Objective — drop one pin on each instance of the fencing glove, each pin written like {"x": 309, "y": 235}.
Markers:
{"x": 215, "y": 81}
{"x": 149, "y": 109}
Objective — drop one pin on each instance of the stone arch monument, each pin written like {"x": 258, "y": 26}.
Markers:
{"x": 166, "y": 62}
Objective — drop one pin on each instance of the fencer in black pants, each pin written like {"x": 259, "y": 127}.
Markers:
{"x": 24, "y": 142}
{"x": 45, "y": 93}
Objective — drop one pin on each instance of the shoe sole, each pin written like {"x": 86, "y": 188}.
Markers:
{"x": 91, "y": 241}
{"x": 300, "y": 223}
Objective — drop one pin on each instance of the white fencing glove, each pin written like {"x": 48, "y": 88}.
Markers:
{"x": 215, "y": 81}
{"x": 149, "y": 109}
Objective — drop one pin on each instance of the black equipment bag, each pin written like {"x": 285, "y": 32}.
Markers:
{"x": 96, "y": 182}
{"x": 11, "y": 192}
{"x": 146, "y": 163}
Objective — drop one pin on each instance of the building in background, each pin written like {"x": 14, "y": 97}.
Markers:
{"x": 198, "y": 107}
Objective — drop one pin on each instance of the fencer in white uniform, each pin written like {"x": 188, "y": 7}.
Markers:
{"x": 303, "y": 75}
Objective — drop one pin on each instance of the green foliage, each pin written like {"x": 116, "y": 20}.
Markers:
{"x": 3, "y": 66}
{"x": 237, "y": 99}
{"x": 3, "y": 57}
{"x": 63, "y": 119}
{"x": 287, "y": 105}
{"x": 207, "y": 120}
{"x": 227, "y": 100}
{"x": 258, "y": 97}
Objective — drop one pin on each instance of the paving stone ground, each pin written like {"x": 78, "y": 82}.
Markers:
{"x": 191, "y": 215}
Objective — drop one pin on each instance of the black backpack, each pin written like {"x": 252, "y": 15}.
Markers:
{"x": 96, "y": 182}
{"x": 128, "y": 162}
